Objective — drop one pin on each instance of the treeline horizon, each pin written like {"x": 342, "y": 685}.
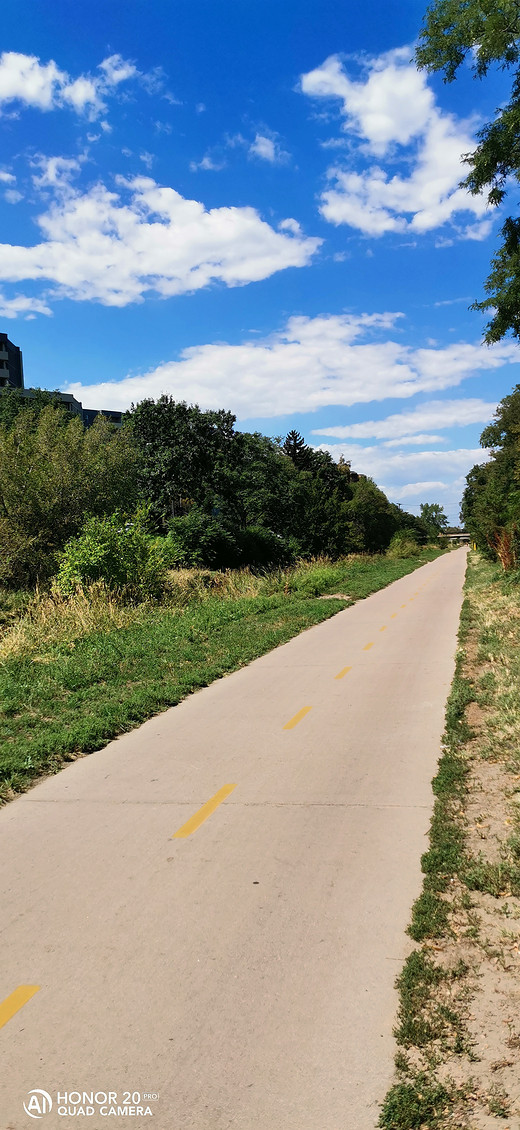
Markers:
{"x": 216, "y": 497}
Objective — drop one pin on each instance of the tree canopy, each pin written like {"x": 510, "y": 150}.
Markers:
{"x": 234, "y": 498}
{"x": 491, "y": 501}
{"x": 489, "y": 32}
{"x": 54, "y": 472}
{"x": 434, "y": 518}
{"x": 179, "y": 477}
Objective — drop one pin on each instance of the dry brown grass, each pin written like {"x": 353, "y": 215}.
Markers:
{"x": 497, "y": 611}
{"x": 50, "y": 619}
{"x": 184, "y": 585}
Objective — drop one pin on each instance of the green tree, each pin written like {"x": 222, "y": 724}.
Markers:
{"x": 184, "y": 454}
{"x": 13, "y": 401}
{"x": 434, "y": 518}
{"x": 373, "y": 517}
{"x": 53, "y": 473}
{"x": 321, "y": 520}
{"x": 232, "y": 497}
{"x": 490, "y": 505}
{"x": 489, "y": 32}
{"x": 260, "y": 484}
{"x": 295, "y": 447}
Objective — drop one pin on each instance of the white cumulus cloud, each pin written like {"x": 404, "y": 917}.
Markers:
{"x": 390, "y": 114}
{"x": 116, "y": 247}
{"x": 22, "y": 305}
{"x": 399, "y": 469}
{"x": 56, "y": 172}
{"x": 311, "y": 363}
{"x": 13, "y": 196}
{"x": 44, "y": 86}
{"x": 267, "y": 147}
{"x": 207, "y": 163}
{"x": 402, "y": 425}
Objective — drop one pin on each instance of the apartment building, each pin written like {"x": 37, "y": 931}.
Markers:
{"x": 11, "y": 377}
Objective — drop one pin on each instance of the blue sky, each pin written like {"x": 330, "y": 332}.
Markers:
{"x": 253, "y": 205}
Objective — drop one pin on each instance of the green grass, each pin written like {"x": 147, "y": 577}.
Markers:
{"x": 497, "y": 879}
{"x": 415, "y": 984}
{"x": 445, "y": 856}
{"x": 67, "y": 689}
{"x": 417, "y": 1104}
{"x": 424, "y": 1017}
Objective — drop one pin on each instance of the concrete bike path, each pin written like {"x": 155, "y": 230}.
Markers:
{"x": 243, "y": 971}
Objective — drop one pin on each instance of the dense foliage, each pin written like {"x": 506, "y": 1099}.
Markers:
{"x": 114, "y": 550}
{"x": 489, "y": 33}
{"x": 230, "y": 498}
{"x": 54, "y": 473}
{"x": 491, "y": 502}
{"x": 174, "y": 486}
{"x": 434, "y": 518}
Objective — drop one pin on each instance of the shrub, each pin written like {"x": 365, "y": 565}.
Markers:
{"x": 408, "y": 533}
{"x": 261, "y": 547}
{"x": 404, "y": 544}
{"x": 196, "y": 539}
{"x": 20, "y": 556}
{"x": 506, "y": 544}
{"x": 117, "y": 551}
{"x": 315, "y": 579}
{"x": 53, "y": 473}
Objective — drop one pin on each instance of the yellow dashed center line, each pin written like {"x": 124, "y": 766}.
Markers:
{"x": 383, "y": 629}
{"x": 195, "y": 821}
{"x": 368, "y": 646}
{"x": 343, "y": 672}
{"x": 297, "y": 718}
{"x": 16, "y": 1001}
{"x": 393, "y": 616}
{"x": 403, "y": 606}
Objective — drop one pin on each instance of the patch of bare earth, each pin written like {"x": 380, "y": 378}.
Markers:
{"x": 489, "y": 1070}
{"x": 488, "y": 818}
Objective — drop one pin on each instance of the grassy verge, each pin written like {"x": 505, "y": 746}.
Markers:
{"x": 458, "y": 1032}
{"x": 75, "y": 673}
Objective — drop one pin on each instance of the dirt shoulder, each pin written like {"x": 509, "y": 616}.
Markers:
{"x": 458, "y": 1028}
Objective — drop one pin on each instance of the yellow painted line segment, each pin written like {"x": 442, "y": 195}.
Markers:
{"x": 199, "y": 817}
{"x": 297, "y": 718}
{"x": 16, "y": 1001}
{"x": 368, "y": 646}
{"x": 393, "y": 616}
{"x": 343, "y": 672}
{"x": 383, "y": 629}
